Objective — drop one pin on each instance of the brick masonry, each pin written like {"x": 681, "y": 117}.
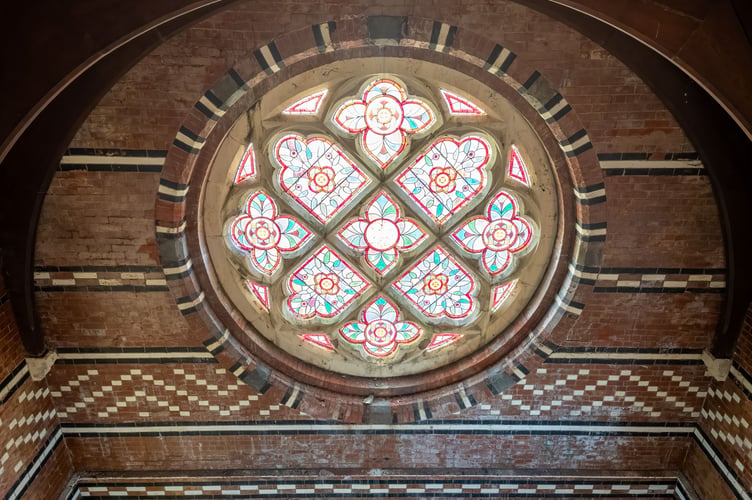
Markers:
{"x": 34, "y": 462}
{"x": 619, "y": 389}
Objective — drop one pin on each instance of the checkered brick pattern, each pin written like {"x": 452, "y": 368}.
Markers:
{"x": 159, "y": 392}
{"x": 604, "y": 392}
{"x": 376, "y": 488}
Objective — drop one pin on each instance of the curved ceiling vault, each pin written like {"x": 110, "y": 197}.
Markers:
{"x": 58, "y": 93}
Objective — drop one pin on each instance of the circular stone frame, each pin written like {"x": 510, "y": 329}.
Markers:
{"x": 491, "y": 369}
{"x": 221, "y": 200}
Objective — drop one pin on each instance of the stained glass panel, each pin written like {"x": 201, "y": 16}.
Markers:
{"x": 247, "y": 167}
{"x": 459, "y": 105}
{"x": 308, "y": 105}
{"x": 383, "y": 234}
{"x": 442, "y": 339}
{"x": 502, "y": 293}
{"x": 380, "y": 331}
{"x": 318, "y": 340}
{"x": 448, "y": 175}
{"x": 318, "y": 175}
{"x": 265, "y": 234}
{"x": 383, "y": 118}
{"x": 260, "y": 292}
{"x": 517, "y": 169}
{"x": 324, "y": 285}
{"x": 497, "y": 236}
{"x": 438, "y": 286}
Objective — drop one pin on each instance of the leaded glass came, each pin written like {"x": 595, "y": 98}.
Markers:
{"x": 381, "y": 220}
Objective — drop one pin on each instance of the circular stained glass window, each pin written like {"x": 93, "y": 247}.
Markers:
{"x": 380, "y": 224}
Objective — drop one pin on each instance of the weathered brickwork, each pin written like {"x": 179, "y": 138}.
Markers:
{"x": 33, "y": 457}
{"x": 147, "y": 106}
{"x": 115, "y": 319}
{"x": 79, "y": 230}
{"x": 725, "y": 424}
{"x": 662, "y": 221}
{"x": 617, "y": 388}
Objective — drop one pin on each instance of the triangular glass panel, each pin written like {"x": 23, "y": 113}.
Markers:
{"x": 308, "y": 105}
{"x": 502, "y": 293}
{"x": 260, "y": 291}
{"x": 459, "y": 105}
{"x": 443, "y": 339}
{"x": 247, "y": 167}
{"x": 318, "y": 340}
{"x": 517, "y": 169}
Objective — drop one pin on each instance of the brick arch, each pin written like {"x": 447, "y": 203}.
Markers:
{"x": 583, "y": 196}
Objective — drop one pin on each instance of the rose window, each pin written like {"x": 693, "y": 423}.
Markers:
{"x": 381, "y": 226}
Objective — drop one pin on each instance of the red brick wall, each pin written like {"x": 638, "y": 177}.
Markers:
{"x": 107, "y": 219}
{"x": 28, "y": 422}
{"x": 725, "y": 422}
{"x": 146, "y": 107}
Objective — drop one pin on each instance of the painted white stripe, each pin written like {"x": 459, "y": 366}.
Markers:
{"x": 608, "y": 277}
{"x": 519, "y": 373}
{"x": 169, "y": 271}
{"x": 576, "y": 144}
{"x": 190, "y": 142}
{"x": 549, "y": 114}
{"x": 642, "y": 164}
{"x": 443, "y": 34}
{"x": 63, "y": 282}
{"x": 171, "y": 230}
{"x": 589, "y": 196}
{"x": 628, "y": 283}
{"x": 567, "y": 307}
{"x": 590, "y": 232}
{"x": 495, "y": 67}
{"x": 326, "y": 37}
{"x": 110, "y": 160}
{"x": 269, "y": 58}
{"x": 211, "y": 107}
{"x": 216, "y": 344}
{"x": 463, "y": 397}
{"x": 134, "y": 355}
{"x": 653, "y": 277}
{"x": 194, "y": 302}
{"x": 675, "y": 284}
{"x": 324, "y": 428}
{"x": 700, "y": 277}
{"x": 293, "y": 396}
{"x": 582, "y": 274}
{"x": 626, "y": 355}
{"x": 85, "y": 276}
{"x": 422, "y": 411}
{"x": 173, "y": 192}
{"x": 14, "y": 381}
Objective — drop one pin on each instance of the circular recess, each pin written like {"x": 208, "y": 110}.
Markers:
{"x": 400, "y": 224}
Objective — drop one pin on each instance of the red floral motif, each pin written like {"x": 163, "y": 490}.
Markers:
{"x": 442, "y": 179}
{"x": 435, "y": 284}
{"x": 321, "y": 179}
{"x": 265, "y": 234}
{"x": 384, "y": 116}
{"x": 381, "y": 332}
{"x": 326, "y": 284}
{"x": 498, "y": 236}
